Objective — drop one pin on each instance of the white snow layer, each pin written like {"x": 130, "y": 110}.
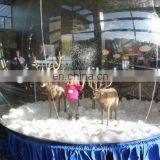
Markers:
{"x": 32, "y": 120}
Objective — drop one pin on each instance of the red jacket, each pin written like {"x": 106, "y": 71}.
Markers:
{"x": 72, "y": 91}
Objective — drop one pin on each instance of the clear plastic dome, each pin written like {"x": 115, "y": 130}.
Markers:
{"x": 76, "y": 59}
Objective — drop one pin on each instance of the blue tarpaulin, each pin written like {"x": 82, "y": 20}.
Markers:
{"x": 28, "y": 148}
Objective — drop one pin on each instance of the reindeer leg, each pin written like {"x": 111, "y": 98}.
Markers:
{"x": 58, "y": 104}
{"x": 54, "y": 105}
{"x": 111, "y": 114}
{"x": 108, "y": 114}
{"x": 93, "y": 104}
{"x": 65, "y": 104}
{"x": 115, "y": 114}
{"x": 102, "y": 110}
{"x": 50, "y": 106}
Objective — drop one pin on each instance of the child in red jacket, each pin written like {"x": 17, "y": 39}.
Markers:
{"x": 72, "y": 90}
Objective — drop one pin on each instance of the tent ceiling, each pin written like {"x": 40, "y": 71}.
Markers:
{"x": 108, "y": 4}
{"x": 111, "y": 5}
{"x": 6, "y": 1}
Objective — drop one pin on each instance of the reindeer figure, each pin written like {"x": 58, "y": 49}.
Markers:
{"x": 107, "y": 97}
{"x": 55, "y": 90}
{"x": 56, "y": 93}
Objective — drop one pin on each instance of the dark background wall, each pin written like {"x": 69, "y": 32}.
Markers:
{"x": 8, "y": 38}
{"x": 26, "y": 24}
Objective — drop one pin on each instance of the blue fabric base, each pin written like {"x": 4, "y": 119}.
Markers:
{"x": 27, "y": 148}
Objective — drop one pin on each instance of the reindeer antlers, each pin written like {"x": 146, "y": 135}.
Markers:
{"x": 95, "y": 85}
{"x": 57, "y": 63}
{"x": 106, "y": 86}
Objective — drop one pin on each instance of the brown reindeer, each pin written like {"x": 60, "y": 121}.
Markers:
{"x": 107, "y": 97}
{"x": 55, "y": 90}
{"x": 55, "y": 93}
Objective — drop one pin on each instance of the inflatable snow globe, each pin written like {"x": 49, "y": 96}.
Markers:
{"x": 83, "y": 83}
